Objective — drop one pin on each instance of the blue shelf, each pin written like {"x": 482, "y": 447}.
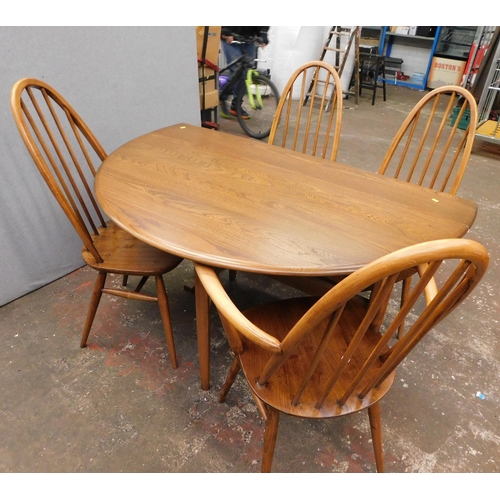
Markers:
{"x": 389, "y": 38}
{"x": 414, "y": 37}
{"x": 406, "y": 83}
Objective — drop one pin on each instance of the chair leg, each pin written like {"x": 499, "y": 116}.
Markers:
{"x": 231, "y": 377}
{"x": 165, "y": 316}
{"x": 270, "y": 435}
{"x": 405, "y": 292}
{"x": 94, "y": 303}
{"x": 383, "y": 81}
{"x": 141, "y": 283}
{"x": 202, "y": 302}
{"x": 376, "y": 428}
{"x": 232, "y": 274}
{"x": 375, "y": 83}
{"x": 125, "y": 280}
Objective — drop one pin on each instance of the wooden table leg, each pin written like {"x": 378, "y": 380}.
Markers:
{"x": 203, "y": 331}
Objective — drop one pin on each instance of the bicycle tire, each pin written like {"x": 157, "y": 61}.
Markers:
{"x": 259, "y": 121}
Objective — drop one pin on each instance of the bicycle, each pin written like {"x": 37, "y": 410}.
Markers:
{"x": 256, "y": 95}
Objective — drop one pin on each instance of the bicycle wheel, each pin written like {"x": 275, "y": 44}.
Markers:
{"x": 257, "y": 122}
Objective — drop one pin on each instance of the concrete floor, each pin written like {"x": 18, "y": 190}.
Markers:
{"x": 117, "y": 406}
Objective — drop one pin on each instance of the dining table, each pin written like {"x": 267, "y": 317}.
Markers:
{"x": 240, "y": 204}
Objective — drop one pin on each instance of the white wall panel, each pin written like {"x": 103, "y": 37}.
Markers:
{"x": 123, "y": 81}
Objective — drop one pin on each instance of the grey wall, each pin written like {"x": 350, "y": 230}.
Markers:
{"x": 123, "y": 81}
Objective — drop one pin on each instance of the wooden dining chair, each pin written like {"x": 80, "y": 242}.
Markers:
{"x": 66, "y": 153}
{"x": 335, "y": 355}
{"x": 310, "y": 122}
{"x": 433, "y": 145}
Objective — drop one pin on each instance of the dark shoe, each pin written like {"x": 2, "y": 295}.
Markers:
{"x": 244, "y": 113}
{"x": 223, "y": 110}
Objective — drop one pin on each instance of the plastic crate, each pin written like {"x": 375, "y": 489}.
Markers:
{"x": 418, "y": 78}
{"x": 464, "y": 121}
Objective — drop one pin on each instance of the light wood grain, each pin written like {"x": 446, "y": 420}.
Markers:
{"x": 328, "y": 356}
{"x": 66, "y": 154}
{"x": 428, "y": 149}
{"x": 234, "y": 203}
{"x": 239, "y": 204}
{"x": 309, "y": 113}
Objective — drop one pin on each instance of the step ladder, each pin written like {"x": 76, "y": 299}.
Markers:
{"x": 334, "y": 44}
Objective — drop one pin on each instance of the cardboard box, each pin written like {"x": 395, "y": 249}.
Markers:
{"x": 213, "y": 43}
{"x": 207, "y": 78}
{"x": 445, "y": 72}
{"x": 402, "y": 30}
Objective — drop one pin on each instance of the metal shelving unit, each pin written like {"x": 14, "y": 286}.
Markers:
{"x": 455, "y": 42}
{"x": 387, "y": 40}
{"x": 489, "y": 125}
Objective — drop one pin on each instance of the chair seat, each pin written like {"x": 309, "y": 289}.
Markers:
{"x": 338, "y": 354}
{"x": 284, "y": 384}
{"x": 125, "y": 254}
{"x": 67, "y": 155}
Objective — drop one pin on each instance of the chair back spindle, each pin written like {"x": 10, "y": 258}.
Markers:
{"x": 310, "y": 122}
{"x": 67, "y": 155}
{"x": 336, "y": 355}
{"x": 65, "y": 152}
{"x": 434, "y": 143}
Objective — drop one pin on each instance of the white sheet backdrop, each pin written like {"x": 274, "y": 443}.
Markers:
{"x": 291, "y": 46}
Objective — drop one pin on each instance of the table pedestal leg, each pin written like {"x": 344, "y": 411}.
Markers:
{"x": 203, "y": 332}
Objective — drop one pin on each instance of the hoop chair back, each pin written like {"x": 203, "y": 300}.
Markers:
{"x": 327, "y": 357}
{"x": 67, "y": 155}
{"x": 434, "y": 143}
{"x": 310, "y": 122}
{"x": 65, "y": 152}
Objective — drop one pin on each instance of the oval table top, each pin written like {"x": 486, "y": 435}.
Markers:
{"x": 237, "y": 203}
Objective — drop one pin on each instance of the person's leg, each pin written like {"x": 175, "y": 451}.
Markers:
{"x": 250, "y": 50}
{"x": 231, "y": 53}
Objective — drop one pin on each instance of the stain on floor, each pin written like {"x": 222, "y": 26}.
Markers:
{"x": 118, "y": 406}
